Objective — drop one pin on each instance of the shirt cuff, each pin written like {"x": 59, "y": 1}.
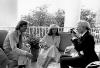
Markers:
{"x": 20, "y": 51}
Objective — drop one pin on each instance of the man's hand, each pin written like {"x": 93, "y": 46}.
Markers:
{"x": 29, "y": 55}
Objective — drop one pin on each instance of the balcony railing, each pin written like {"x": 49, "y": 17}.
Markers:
{"x": 42, "y": 31}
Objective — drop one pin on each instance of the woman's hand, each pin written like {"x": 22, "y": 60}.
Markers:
{"x": 46, "y": 47}
{"x": 42, "y": 44}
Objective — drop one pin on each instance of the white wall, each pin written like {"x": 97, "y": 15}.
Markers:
{"x": 8, "y": 12}
{"x": 98, "y": 13}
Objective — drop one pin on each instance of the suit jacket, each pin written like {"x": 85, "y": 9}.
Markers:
{"x": 87, "y": 45}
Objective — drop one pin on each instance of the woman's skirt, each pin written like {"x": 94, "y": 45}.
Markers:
{"x": 50, "y": 52}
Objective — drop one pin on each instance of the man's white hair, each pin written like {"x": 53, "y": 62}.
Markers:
{"x": 84, "y": 24}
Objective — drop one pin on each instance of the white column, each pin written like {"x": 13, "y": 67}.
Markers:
{"x": 98, "y": 18}
{"x": 98, "y": 13}
{"x": 72, "y": 13}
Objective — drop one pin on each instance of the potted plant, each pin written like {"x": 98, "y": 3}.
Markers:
{"x": 34, "y": 46}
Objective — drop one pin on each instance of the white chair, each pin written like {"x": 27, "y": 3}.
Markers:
{"x": 95, "y": 64}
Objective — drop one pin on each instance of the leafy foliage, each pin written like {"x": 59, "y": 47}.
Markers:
{"x": 60, "y": 16}
{"x": 34, "y": 42}
{"x": 41, "y": 17}
{"x": 88, "y": 16}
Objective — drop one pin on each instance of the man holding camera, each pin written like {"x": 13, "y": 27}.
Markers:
{"x": 86, "y": 44}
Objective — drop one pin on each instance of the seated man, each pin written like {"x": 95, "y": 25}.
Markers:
{"x": 13, "y": 42}
{"x": 85, "y": 43}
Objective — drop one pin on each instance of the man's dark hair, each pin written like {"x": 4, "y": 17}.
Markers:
{"x": 20, "y": 24}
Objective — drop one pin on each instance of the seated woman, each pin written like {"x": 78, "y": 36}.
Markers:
{"x": 49, "y": 46}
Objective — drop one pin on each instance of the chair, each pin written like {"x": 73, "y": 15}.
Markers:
{"x": 3, "y": 34}
{"x": 65, "y": 41}
{"x": 95, "y": 64}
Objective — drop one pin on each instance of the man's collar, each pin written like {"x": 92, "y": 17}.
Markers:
{"x": 18, "y": 32}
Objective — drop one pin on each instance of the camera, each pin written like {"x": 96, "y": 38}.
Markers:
{"x": 72, "y": 31}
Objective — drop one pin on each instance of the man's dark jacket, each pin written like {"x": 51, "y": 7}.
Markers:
{"x": 87, "y": 45}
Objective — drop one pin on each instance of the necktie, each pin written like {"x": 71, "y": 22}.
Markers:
{"x": 20, "y": 41}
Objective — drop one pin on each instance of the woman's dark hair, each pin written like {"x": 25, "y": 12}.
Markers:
{"x": 20, "y": 24}
{"x": 50, "y": 32}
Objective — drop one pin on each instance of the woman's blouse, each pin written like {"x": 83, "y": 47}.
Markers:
{"x": 51, "y": 41}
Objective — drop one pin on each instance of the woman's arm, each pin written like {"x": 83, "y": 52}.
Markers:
{"x": 58, "y": 42}
{"x": 42, "y": 42}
